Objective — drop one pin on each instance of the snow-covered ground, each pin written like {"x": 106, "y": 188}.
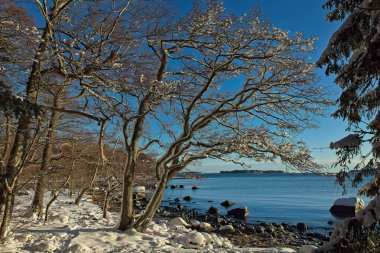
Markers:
{"x": 82, "y": 229}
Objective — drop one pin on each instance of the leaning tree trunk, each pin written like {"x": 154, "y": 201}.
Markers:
{"x": 144, "y": 220}
{"x": 126, "y": 216}
{"x": 84, "y": 190}
{"x": 56, "y": 193}
{"x": 38, "y": 200}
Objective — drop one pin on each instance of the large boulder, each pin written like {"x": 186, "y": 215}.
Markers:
{"x": 227, "y": 203}
{"x": 347, "y": 207}
{"x": 240, "y": 213}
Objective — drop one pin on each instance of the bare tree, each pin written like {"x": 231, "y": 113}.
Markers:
{"x": 212, "y": 85}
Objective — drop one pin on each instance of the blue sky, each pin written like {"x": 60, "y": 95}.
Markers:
{"x": 308, "y": 17}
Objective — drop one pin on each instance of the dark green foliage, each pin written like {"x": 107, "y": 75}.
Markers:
{"x": 360, "y": 239}
{"x": 353, "y": 55}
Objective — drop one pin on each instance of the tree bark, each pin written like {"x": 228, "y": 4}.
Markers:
{"x": 55, "y": 196}
{"x": 144, "y": 220}
{"x": 106, "y": 204}
{"x": 6, "y": 216}
{"x": 38, "y": 200}
{"x": 8, "y": 133}
{"x": 126, "y": 217}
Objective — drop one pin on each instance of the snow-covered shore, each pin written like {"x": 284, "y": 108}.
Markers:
{"x": 81, "y": 229}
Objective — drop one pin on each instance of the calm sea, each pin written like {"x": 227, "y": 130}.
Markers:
{"x": 288, "y": 198}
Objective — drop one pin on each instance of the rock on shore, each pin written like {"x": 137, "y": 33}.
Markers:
{"x": 347, "y": 207}
{"x": 240, "y": 213}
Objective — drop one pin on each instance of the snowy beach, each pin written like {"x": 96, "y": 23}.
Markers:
{"x": 74, "y": 228}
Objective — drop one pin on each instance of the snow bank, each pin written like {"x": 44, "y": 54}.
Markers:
{"x": 81, "y": 229}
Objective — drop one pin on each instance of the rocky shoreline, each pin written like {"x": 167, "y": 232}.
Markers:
{"x": 239, "y": 232}
{"x": 242, "y": 234}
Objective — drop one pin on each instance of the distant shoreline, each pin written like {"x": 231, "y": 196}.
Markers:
{"x": 253, "y": 171}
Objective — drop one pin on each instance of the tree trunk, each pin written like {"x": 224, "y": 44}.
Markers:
{"x": 106, "y": 204}
{"x": 56, "y": 192}
{"x": 38, "y": 200}
{"x": 8, "y": 135}
{"x": 6, "y": 216}
{"x": 144, "y": 220}
{"x": 55, "y": 196}
{"x": 79, "y": 198}
{"x": 126, "y": 217}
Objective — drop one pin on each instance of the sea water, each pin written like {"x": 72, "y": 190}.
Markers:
{"x": 279, "y": 198}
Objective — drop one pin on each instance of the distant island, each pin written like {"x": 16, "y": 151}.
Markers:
{"x": 252, "y": 171}
{"x": 188, "y": 175}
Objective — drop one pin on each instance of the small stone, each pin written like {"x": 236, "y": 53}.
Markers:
{"x": 196, "y": 239}
{"x": 259, "y": 229}
{"x": 177, "y": 222}
{"x": 280, "y": 228}
{"x": 213, "y": 210}
{"x": 195, "y": 223}
{"x": 206, "y": 227}
{"x": 187, "y": 198}
{"x": 227, "y": 229}
{"x": 45, "y": 247}
{"x": 227, "y": 203}
{"x": 194, "y": 188}
{"x": 270, "y": 229}
{"x": 301, "y": 227}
